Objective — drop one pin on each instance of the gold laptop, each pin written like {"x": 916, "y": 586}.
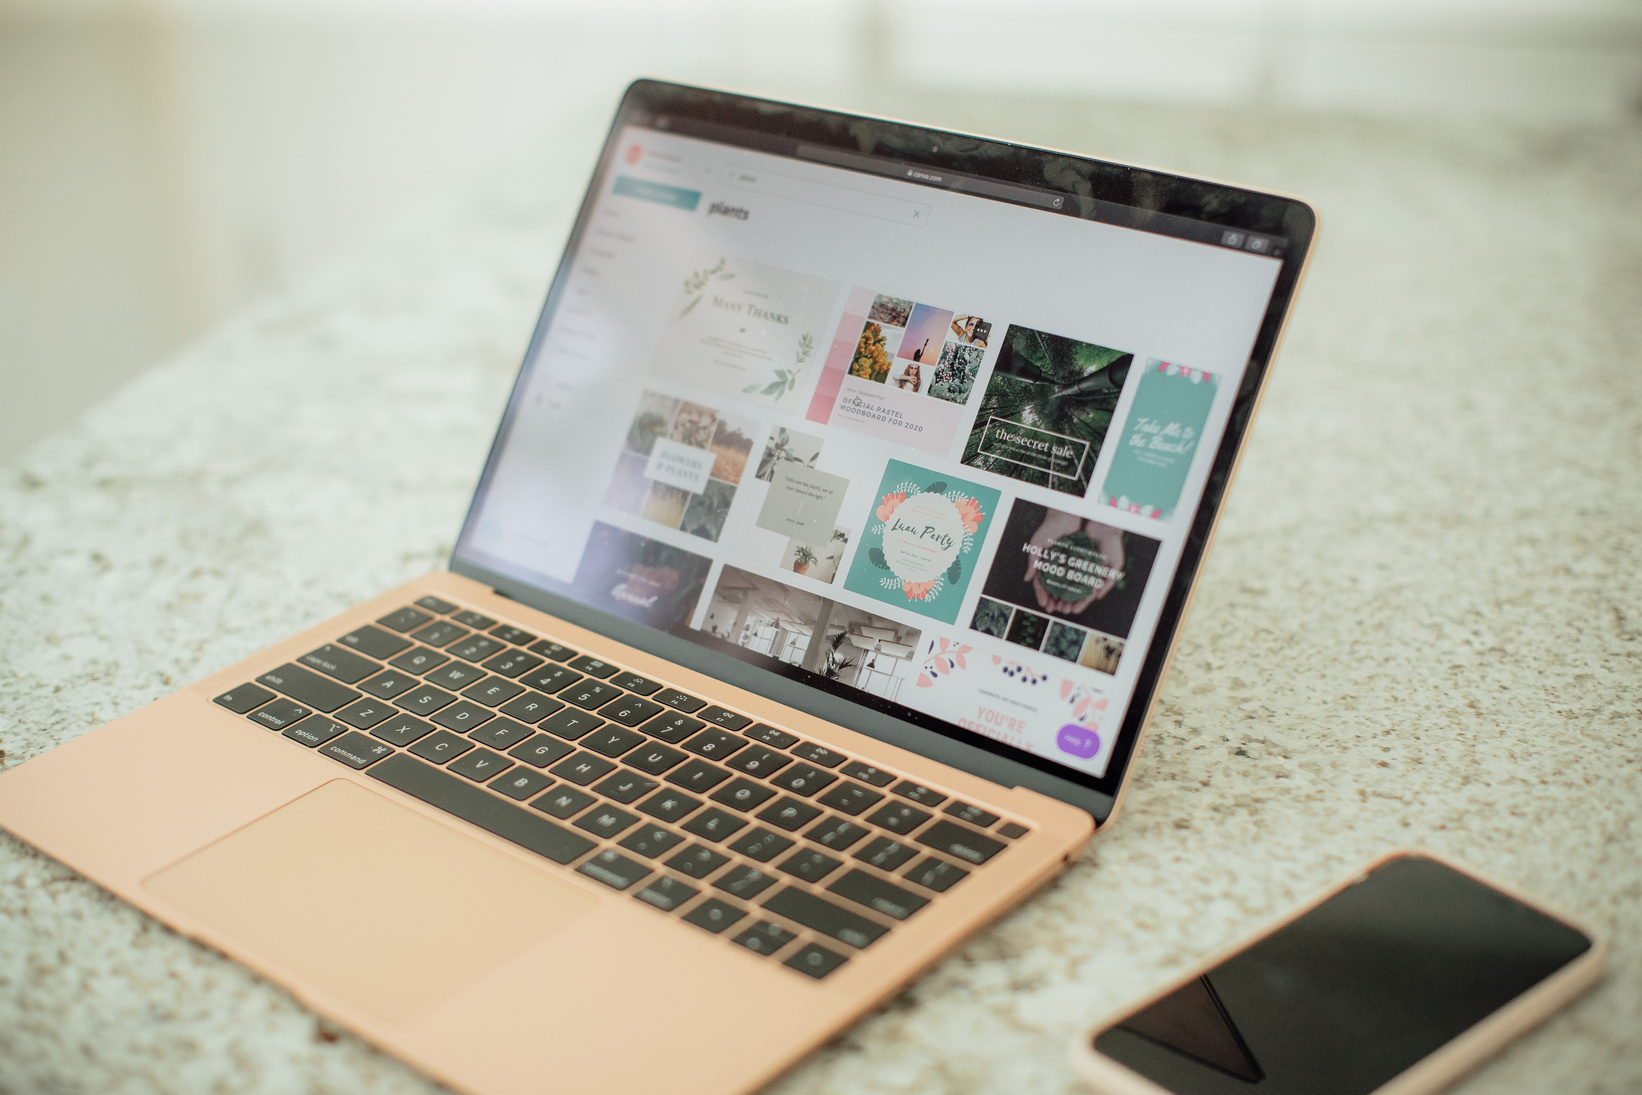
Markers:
{"x": 813, "y": 602}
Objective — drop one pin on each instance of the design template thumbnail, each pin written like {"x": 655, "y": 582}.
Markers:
{"x": 774, "y": 622}
{"x": 744, "y": 329}
{"x": 639, "y": 578}
{"x": 1046, "y": 410}
{"x": 1155, "y": 450}
{"x": 680, "y": 465}
{"x": 921, "y": 540}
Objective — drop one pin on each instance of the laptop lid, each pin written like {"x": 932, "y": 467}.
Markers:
{"x": 922, "y": 433}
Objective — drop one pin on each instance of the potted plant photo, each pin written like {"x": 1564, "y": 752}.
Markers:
{"x": 803, "y": 559}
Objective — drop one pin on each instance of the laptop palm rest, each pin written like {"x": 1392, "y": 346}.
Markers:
{"x": 350, "y": 894}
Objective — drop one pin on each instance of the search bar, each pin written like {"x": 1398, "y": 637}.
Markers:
{"x": 861, "y": 202}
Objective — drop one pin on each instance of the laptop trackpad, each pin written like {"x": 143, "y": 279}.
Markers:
{"x": 351, "y": 893}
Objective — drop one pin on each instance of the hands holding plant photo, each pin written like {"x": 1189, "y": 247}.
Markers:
{"x": 1073, "y": 537}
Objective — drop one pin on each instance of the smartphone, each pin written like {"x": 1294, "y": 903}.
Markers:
{"x": 1396, "y": 981}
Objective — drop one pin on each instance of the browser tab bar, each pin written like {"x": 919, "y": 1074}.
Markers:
{"x": 969, "y": 184}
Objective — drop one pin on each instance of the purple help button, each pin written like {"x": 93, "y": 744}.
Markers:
{"x": 1080, "y": 741}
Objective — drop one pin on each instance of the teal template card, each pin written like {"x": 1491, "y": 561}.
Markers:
{"x": 921, "y": 541}
{"x": 1165, "y": 424}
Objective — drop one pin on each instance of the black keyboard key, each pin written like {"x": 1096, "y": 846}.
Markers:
{"x": 520, "y": 783}
{"x": 492, "y": 691}
{"x": 365, "y": 713}
{"x": 849, "y": 798}
{"x": 651, "y": 841}
{"x": 836, "y": 833}
{"x": 825, "y": 917}
{"x": 761, "y": 844}
{"x": 742, "y": 793}
{"x": 634, "y": 683}
{"x": 886, "y": 853}
{"x": 745, "y": 882}
{"x": 918, "y": 793}
{"x": 469, "y": 618}
{"x": 553, "y": 651}
{"x": 571, "y": 724}
{"x": 425, "y": 700}
{"x": 714, "y": 915}
{"x": 518, "y": 636}
{"x": 244, "y": 699}
{"x": 960, "y": 842}
{"x": 713, "y": 824}
{"x": 625, "y": 787}
{"x": 936, "y": 874}
{"x": 614, "y": 870}
{"x": 375, "y": 642}
{"x": 718, "y": 716}
{"x": 963, "y": 811}
{"x": 501, "y": 733}
{"x": 475, "y": 648}
{"x": 389, "y": 683}
{"x": 442, "y": 633}
{"x": 479, "y": 807}
{"x": 898, "y": 818}
{"x": 511, "y": 663}
{"x": 770, "y": 736}
{"x": 714, "y": 743}
{"x": 549, "y": 678}
{"x": 669, "y": 805}
{"x": 307, "y": 687}
{"x": 698, "y": 861}
{"x": 606, "y": 821}
{"x": 876, "y": 894}
{"x": 356, "y": 750}
{"x": 280, "y": 714}
{"x": 435, "y": 605}
{"x": 589, "y": 695}
{"x": 672, "y": 727}
{"x": 815, "y": 960}
{"x": 531, "y": 707}
{"x": 402, "y": 729}
{"x": 612, "y": 741}
{"x": 463, "y": 716}
{"x": 809, "y": 865}
{"x": 582, "y": 769}
{"x": 315, "y": 730}
{"x": 818, "y": 754}
{"x": 419, "y": 659}
{"x": 756, "y": 760}
{"x": 629, "y": 710}
{"x": 593, "y": 667}
{"x": 482, "y": 765}
{"x": 655, "y": 759}
{"x": 1013, "y": 830}
{"x": 803, "y": 780}
{"x": 456, "y": 675}
{"x": 697, "y": 776}
{"x": 564, "y": 802}
{"x": 866, "y": 773}
{"x": 789, "y": 814}
{"x": 765, "y": 938}
{"x": 339, "y": 662}
{"x": 405, "y": 619}
{"x": 540, "y": 751}
{"x": 679, "y": 701}
{"x": 441, "y": 746}
{"x": 666, "y": 893}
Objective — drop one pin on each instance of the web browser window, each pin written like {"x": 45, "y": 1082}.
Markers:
{"x": 928, "y": 441}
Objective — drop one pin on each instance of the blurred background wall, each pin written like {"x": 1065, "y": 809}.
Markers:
{"x": 166, "y": 162}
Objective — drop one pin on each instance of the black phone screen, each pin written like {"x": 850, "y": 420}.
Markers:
{"x": 1350, "y": 994}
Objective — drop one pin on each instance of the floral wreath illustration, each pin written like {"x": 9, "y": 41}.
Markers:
{"x": 970, "y": 514}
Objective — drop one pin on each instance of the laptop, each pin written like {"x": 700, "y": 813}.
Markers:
{"x": 814, "y": 599}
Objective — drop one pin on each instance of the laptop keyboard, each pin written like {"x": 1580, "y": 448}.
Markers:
{"x": 782, "y": 846}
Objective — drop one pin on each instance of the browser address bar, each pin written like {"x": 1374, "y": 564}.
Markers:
{"x": 828, "y": 196}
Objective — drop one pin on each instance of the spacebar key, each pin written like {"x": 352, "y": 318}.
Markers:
{"x": 453, "y": 795}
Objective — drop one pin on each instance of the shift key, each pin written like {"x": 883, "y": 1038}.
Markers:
{"x": 307, "y": 687}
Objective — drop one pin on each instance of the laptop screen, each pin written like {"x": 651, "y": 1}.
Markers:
{"x": 926, "y": 442}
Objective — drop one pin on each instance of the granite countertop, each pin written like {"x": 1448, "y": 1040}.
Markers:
{"x": 1422, "y": 623}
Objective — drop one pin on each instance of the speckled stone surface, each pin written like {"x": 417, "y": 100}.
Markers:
{"x": 1422, "y": 622}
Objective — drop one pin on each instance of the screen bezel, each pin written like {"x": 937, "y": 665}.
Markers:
{"x": 1093, "y": 189}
